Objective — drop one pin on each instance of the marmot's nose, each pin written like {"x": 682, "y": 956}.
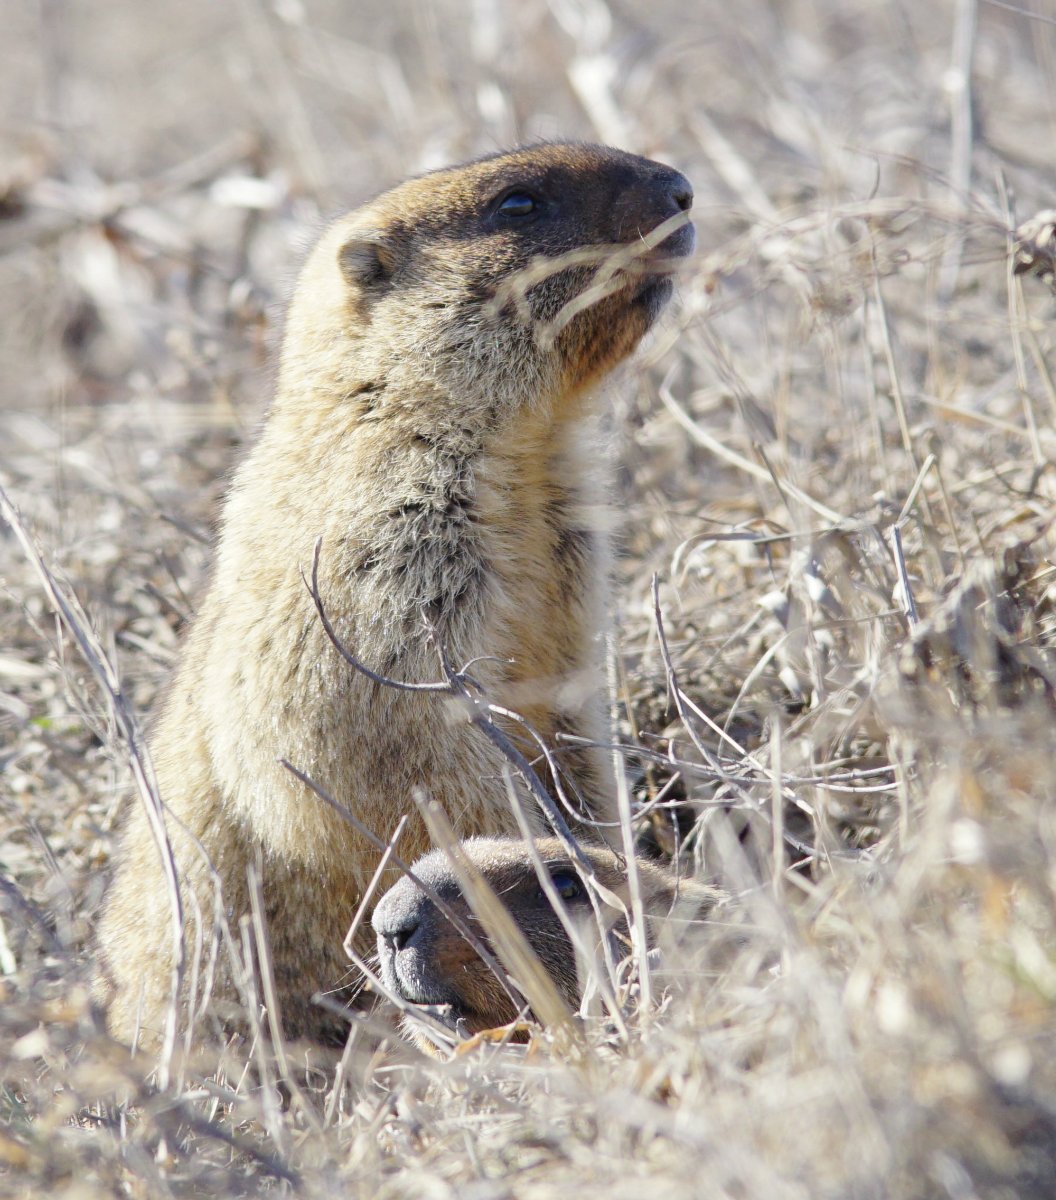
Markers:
{"x": 671, "y": 194}
{"x": 398, "y": 915}
{"x": 682, "y": 192}
{"x": 675, "y": 188}
{"x": 397, "y": 934}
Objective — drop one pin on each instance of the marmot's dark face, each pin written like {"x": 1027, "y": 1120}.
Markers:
{"x": 545, "y": 265}
{"x": 425, "y": 959}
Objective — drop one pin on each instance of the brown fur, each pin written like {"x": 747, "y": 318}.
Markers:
{"x": 428, "y": 427}
{"x": 424, "y": 959}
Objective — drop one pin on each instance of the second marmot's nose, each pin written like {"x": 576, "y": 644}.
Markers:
{"x": 398, "y": 916}
{"x": 398, "y": 938}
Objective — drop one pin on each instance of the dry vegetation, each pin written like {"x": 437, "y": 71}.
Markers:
{"x": 837, "y": 458}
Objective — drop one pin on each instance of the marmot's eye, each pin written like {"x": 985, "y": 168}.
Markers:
{"x": 567, "y": 884}
{"x": 518, "y": 204}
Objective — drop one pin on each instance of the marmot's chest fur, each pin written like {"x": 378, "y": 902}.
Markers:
{"x": 428, "y": 431}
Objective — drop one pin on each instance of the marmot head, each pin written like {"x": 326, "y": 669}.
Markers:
{"x": 425, "y": 960}
{"x": 521, "y": 276}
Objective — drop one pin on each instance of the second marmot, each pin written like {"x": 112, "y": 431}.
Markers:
{"x": 431, "y": 430}
{"x": 425, "y": 961}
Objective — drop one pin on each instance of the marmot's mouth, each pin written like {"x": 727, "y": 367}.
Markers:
{"x": 440, "y": 1010}
{"x": 464, "y": 1022}
{"x": 653, "y": 294}
{"x": 680, "y": 243}
{"x": 423, "y": 999}
{"x": 458, "y": 1020}
{"x": 448, "y": 1011}
{"x": 418, "y": 991}
{"x": 454, "y": 1014}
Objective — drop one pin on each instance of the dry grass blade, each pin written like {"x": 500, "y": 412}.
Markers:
{"x": 273, "y": 1013}
{"x": 370, "y": 895}
{"x": 509, "y": 942}
{"x": 584, "y": 954}
{"x": 66, "y": 606}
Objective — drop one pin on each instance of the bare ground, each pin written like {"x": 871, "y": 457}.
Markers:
{"x": 836, "y": 458}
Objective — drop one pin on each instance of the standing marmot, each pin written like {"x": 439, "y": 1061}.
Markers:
{"x": 428, "y": 427}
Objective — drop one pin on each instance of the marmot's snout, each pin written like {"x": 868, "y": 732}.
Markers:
{"x": 425, "y": 959}
{"x": 403, "y": 940}
{"x": 398, "y": 917}
{"x": 661, "y": 200}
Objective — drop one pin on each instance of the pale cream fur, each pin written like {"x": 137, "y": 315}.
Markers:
{"x": 429, "y": 455}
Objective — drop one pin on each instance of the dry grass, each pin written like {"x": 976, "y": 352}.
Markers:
{"x": 837, "y": 459}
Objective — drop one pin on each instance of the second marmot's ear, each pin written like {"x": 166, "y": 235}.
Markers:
{"x": 368, "y": 259}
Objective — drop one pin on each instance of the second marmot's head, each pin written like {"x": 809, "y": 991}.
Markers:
{"x": 521, "y": 276}
{"x": 424, "y": 958}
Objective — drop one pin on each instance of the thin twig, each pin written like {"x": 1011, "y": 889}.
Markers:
{"x": 903, "y": 577}
{"x": 390, "y": 847}
{"x": 396, "y": 684}
{"x": 479, "y": 712}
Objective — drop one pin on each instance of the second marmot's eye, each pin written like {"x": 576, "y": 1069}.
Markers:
{"x": 518, "y": 204}
{"x": 567, "y": 885}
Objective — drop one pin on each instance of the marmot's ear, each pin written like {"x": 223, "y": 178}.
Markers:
{"x": 368, "y": 259}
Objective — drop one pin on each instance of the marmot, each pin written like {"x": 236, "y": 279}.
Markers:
{"x": 427, "y": 430}
{"x": 425, "y": 960}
